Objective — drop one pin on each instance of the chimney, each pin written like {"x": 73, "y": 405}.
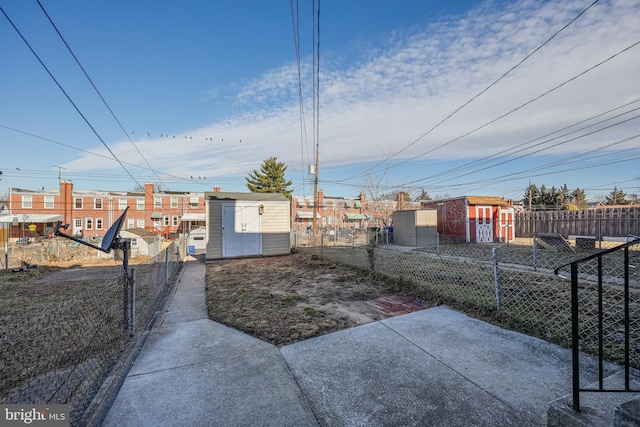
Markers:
{"x": 216, "y": 189}
{"x": 66, "y": 200}
{"x": 400, "y": 202}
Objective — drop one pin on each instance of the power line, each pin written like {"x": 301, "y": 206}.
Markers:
{"x": 89, "y": 152}
{"x": 473, "y": 98}
{"x": 97, "y": 91}
{"x": 295, "y": 21}
{"x": 511, "y": 159}
{"x": 530, "y": 101}
{"x": 67, "y": 95}
{"x": 503, "y": 153}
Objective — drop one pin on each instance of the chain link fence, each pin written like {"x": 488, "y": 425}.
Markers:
{"x": 510, "y": 285}
{"x": 602, "y": 293}
{"x": 63, "y": 331}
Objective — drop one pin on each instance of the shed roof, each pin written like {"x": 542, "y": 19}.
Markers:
{"x": 139, "y": 231}
{"x": 474, "y": 200}
{"x": 487, "y": 200}
{"x": 256, "y": 197}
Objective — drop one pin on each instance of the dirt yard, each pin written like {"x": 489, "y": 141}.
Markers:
{"x": 291, "y": 298}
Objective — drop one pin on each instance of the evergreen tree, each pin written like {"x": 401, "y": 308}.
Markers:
{"x": 423, "y": 196}
{"x": 616, "y": 197}
{"x": 579, "y": 198}
{"x": 270, "y": 178}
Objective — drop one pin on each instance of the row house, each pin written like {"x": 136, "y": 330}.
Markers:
{"x": 343, "y": 212}
{"x": 34, "y": 214}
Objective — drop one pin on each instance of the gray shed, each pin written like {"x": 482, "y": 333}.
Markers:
{"x": 247, "y": 224}
{"x": 415, "y": 227}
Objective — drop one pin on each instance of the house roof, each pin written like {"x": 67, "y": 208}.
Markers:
{"x": 139, "y": 231}
{"x": 257, "y": 197}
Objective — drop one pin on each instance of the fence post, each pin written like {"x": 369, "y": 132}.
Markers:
{"x": 125, "y": 300}
{"x": 535, "y": 253}
{"x": 322, "y": 246}
{"x": 166, "y": 266}
{"x": 496, "y": 277}
{"x": 132, "y": 329}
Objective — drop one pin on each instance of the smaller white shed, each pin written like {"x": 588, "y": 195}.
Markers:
{"x": 247, "y": 224}
{"x": 197, "y": 239}
{"x": 143, "y": 242}
{"x": 415, "y": 227}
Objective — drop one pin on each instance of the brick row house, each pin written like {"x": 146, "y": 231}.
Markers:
{"x": 344, "y": 212}
{"x": 90, "y": 213}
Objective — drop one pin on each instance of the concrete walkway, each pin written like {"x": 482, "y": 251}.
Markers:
{"x": 432, "y": 367}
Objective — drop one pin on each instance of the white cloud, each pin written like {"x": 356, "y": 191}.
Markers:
{"x": 383, "y": 100}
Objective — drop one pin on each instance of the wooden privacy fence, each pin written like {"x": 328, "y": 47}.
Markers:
{"x": 598, "y": 223}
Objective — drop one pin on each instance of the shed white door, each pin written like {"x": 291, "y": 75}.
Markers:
{"x": 506, "y": 225}
{"x": 484, "y": 224}
{"x": 241, "y": 230}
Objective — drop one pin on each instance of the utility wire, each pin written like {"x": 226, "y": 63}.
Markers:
{"x": 472, "y": 98}
{"x": 503, "y": 153}
{"x": 295, "y": 21}
{"x": 88, "y": 151}
{"x": 67, "y": 95}
{"x": 511, "y": 159}
{"x": 512, "y": 110}
{"x": 97, "y": 91}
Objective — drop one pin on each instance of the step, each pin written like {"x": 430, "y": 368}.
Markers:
{"x": 599, "y": 408}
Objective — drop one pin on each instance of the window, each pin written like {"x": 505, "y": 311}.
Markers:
{"x": 134, "y": 242}
{"x": 77, "y": 224}
{"x": 174, "y": 202}
{"x": 97, "y": 203}
{"x": 48, "y": 202}
{"x": 122, "y": 204}
{"x": 157, "y": 202}
{"x": 98, "y": 223}
{"x": 88, "y": 224}
{"x": 156, "y": 224}
{"x": 194, "y": 202}
{"x": 175, "y": 221}
{"x": 301, "y": 203}
{"x": 347, "y": 205}
{"x": 166, "y": 221}
{"x": 77, "y": 203}
{"x": 26, "y": 202}
{"x": 141, "y": 222}
{"x": 140, "y": 204}
{"x": 130, "y": 223}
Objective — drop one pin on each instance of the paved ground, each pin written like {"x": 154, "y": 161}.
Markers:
{"x": 430, "y": 367}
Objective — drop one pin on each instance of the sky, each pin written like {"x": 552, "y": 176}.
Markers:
{"x": 451, "y": 97}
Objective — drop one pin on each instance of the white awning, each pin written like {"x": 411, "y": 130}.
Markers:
{"x": 193, "y": 217}
{"x": 30, "y": 218}
{"x": 306, "y": 215}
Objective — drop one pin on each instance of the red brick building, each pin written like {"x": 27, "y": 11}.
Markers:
{"x": 90, "y": 213}
{"x": 343, "y": 212}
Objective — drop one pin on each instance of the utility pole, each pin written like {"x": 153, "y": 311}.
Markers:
{"x": 59, "y": 169}
{"x": 315, "y": 192}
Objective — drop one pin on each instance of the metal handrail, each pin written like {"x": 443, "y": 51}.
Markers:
{"x": 575, "y": 339}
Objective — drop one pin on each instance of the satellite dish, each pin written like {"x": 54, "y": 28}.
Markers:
{"x": 110, "y": 239}
{"x": 113, "y": 233}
